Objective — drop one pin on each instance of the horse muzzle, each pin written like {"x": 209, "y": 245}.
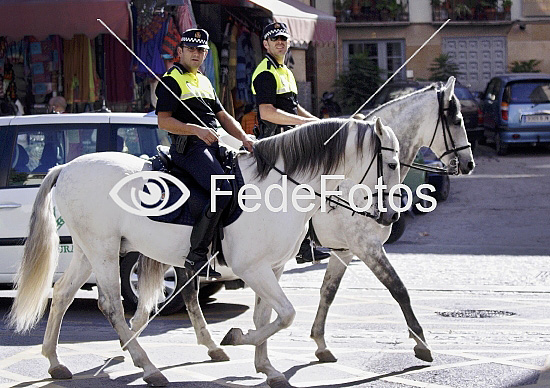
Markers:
{"x": 387, "y": 217}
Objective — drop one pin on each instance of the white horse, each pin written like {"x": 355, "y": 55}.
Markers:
{"x": 102, "y": 231}
{"x": 424, "y": 113}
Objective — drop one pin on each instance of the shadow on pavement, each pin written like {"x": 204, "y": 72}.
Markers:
{"x": 83, "y": 322}
{"x": 292, "y": 371}
{"x": 529, "y": 381}
{"x": 303, "y": 268}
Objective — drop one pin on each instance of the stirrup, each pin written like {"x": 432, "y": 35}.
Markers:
{"x": 203, "y": 270}
{"x": 311, "y": 255}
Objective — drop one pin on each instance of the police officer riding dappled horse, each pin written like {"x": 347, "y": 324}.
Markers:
{"x": 276, "y": 93}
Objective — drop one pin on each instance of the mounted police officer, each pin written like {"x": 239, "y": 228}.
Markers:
{"x": 195, "y": 142}
{"x": 276, "y": 93}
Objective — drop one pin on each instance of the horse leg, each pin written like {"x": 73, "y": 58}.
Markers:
{"x": 110, "y": 304}
{"x": 150, "y": 284}
{"x": 64, "y": 290}
{"x": 262, "y": 313}
{"x": 381, "y": 267}
{"x": 333, "y": 276}
{"x": 191, "y": 298}
{"x": 264, "y": 282}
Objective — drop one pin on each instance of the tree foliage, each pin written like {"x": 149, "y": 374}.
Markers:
{"x": 442, "y": 68}
{"x": 525, "y": 66}
{"x": 358, "y": 83}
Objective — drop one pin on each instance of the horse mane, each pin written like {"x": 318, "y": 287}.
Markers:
{"x": 454, "y": 103}
{"x": 303, "y": 150}
{"x": 406, "y": 96}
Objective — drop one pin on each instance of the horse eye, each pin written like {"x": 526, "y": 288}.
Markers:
{"x": 393, "y": 166}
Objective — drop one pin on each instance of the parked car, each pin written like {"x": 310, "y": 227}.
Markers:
{"x": 30, "y": 145}
{"x": 516, "y": 110}
{"x": 441, "y": 182}
{"x": 472, "y": 114}
{"x": 415, "y": 178}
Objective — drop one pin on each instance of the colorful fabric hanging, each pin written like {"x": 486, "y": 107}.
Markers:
{"x": 185, "y": 16}
{"x": 118, "y": 76}
{"x": 80, "y": 81}
{"x": 211, "y": 67}
{"x": 150, "y": 53}
{"x": 245, "y": 67}
{"x": 44, "y": 61}
{"x": 171, "y": 40}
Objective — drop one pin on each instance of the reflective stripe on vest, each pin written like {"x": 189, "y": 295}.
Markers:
{"x": 191, "y": 85}
{"x": 284, "y": 77}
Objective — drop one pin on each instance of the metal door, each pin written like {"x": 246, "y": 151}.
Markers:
{"x": 478, "y": 58}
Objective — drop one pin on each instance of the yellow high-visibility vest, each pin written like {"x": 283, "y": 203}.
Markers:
{"x": 192, "y": 85}
{"x": 284, "y": 77}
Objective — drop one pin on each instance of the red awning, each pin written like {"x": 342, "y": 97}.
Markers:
{"x": 41, "y": 18}
{"x": 307, "y": 24}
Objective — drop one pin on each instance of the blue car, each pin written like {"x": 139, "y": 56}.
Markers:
{"x": 516, "y": 110}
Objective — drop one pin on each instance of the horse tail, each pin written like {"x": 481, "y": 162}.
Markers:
{"x": 150, "y": 283}
{"x": 35, "y": 275}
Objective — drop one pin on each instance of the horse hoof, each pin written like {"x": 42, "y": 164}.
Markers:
{"x": 325, "y": 355}
{"x": 218, "y": 355}
{"x": 156, "y": 379}
{"x": 422, "y": 353}
{"x": 278, "y": 382}
{"x": 60, "y": 372}
{"x": 232, "y": 337}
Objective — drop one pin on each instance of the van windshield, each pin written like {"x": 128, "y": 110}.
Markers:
{"x": 530, "y": 92}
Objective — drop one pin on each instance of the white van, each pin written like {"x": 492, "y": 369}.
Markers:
{"x": 30, "y": 145}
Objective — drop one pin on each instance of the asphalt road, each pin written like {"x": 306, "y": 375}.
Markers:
{"x": 477, "y": 271}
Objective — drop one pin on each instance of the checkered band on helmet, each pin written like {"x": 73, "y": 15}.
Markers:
{"x": 276, "y": 29}
{"x": 195, "y": 37}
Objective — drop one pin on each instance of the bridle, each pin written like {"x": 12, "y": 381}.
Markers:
{"x": 447, "y": 138}
{"x": 339, "y": 201}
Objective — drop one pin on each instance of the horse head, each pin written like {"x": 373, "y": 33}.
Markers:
{"x": 389, "y": 171}
{"x": 453, "y": 142}
{"x": 380, "y": 173}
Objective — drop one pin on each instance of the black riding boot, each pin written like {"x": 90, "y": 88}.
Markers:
{"x": 201, "y": 237}
{"x": 304, "y": 254}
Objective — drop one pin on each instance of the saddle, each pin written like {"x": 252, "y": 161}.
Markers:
{"x": 199, "y": 198}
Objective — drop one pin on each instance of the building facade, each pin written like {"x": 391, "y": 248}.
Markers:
{"x": 482, "y": 38}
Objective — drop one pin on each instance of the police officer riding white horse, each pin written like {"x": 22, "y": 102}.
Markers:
{"x": 194, "y": 136}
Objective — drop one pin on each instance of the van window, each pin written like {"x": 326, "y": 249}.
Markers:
{"x": 41, "y": 148}
{"x": 140, "y": 140}
{"x": 529, "y": 92}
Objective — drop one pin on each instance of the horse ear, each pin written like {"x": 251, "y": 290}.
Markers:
{"x": 379, "y": 127}
{"x": 449, "y": 88}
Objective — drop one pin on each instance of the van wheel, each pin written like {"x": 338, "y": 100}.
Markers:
{"x": 501, "y": 148}
{"x": 129, "y": 280}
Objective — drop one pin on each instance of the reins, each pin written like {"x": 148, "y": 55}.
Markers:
{"x": 337, "y": 200}
{"x": 453, "y": 166}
